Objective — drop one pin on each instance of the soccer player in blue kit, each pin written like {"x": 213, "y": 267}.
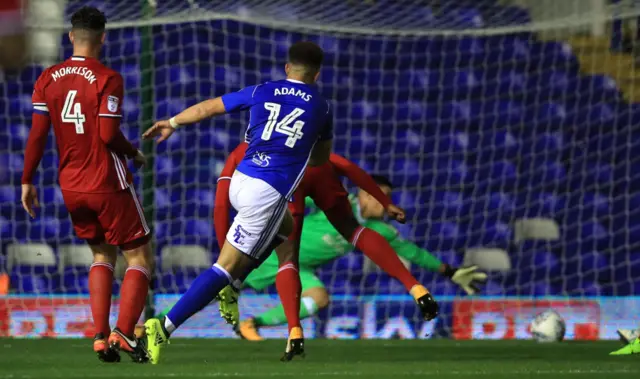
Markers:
{"x": 290, "y": 124}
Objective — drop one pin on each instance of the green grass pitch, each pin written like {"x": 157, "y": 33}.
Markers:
{"x": 442, "y": 359}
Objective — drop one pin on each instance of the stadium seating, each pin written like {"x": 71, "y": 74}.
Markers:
{"x": 552, "y": 152}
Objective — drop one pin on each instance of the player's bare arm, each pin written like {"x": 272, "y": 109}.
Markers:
{"x": 201, "y": 111}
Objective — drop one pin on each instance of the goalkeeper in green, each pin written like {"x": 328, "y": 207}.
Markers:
{"x": 321, "y": 244}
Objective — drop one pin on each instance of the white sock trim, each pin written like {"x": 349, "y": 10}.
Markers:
{"x": 356, "y": 237}
{"x": 224, "y": 271}
{"x": 288, "y": 266}
{"x": 102, "y": 264}
{"x": 168, "y": 325}
{"x": 309, "y": 305}
{"x": 237, "y": 284}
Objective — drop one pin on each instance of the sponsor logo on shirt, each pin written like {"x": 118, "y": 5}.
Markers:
{"x": 112, "y": 103}
{"x": 261, "y": 159}
{"x": 239, "y": 234}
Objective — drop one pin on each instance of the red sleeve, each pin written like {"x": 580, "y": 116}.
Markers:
{"x": 222, "y": 207}
{"x": 111, "y": 98}
{"x": 40, "y": 125}
{"x": 112, "y": 136}
{"x": 110, "y": 116}
{"x": 359, "y": 177}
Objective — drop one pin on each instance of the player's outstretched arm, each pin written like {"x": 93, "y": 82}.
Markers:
{"x": 201, "y": 111}
{"x": 360, "y": 178}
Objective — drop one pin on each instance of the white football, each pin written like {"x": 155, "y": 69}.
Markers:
{"x": 548, "y": 326}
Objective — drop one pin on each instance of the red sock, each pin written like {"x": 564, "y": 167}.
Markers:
{"x": 289, "y": 289}
{"x": 377, "y": 248}
{"x": 133, "y": 296}
{"x": 100, "y": 282}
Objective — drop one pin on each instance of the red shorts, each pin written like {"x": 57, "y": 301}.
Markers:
{"x": 115, "y": 218}
{"x": 323, "y": 185}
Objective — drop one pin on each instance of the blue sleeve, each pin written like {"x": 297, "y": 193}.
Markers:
{"x": 327, "y": 131}
{"x": 238, "y": 101}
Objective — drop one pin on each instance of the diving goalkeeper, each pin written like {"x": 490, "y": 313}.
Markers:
{"x": 321, "y": 243}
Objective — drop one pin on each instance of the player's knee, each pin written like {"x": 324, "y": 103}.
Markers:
{"x": 285, "y": 252}
{"x": 347, "y": 227}
{"x": 103, "y": 253}
{"x": 286, "y": 228}
{"x": 138, "y": 253}
{"x": 234, "y": 261}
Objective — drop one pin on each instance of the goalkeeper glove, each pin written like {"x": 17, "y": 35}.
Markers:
{"x": 466, "y": 277}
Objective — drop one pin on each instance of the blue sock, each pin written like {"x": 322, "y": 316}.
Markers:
{"x": 202, "y": 291}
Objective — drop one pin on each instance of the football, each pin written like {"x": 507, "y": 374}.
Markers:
{"x": 548, "y": 326}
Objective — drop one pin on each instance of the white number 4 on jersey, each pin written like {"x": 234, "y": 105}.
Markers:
{"x": 72, "y": 113}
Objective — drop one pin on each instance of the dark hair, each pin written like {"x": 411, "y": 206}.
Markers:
{"x": 382, "y": 180}
{"x": 307, "y": 54}
{"x": 89, "y": 19}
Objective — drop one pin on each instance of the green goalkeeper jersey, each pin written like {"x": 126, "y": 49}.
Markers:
{"x": 321, "y": 243}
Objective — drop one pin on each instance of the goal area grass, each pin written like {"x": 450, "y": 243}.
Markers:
{"x": 389, "y": 359}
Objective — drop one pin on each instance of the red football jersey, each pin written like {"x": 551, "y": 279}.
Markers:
{"x": 75, "y": 94}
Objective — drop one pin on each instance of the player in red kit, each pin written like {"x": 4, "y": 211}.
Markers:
{"x": 322, "y": 184}
{"x": 82, "y": 99}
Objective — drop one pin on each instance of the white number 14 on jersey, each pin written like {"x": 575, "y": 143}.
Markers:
{"x": 293, "y": 132}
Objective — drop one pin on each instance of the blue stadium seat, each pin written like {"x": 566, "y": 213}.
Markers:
{"x": 75, "y": 280}
{"x": 540, "y": 204}
{"x": 537, "y": 265}
{"x": 589, "y": 232}
{"x": 492, "y": 288}
{"x": 178, "y": 281}
{"x": 506, "y": 16}
{"x": 443, "y": 235}
{"x": 449, "y": 257}
{"x": 576, "y": 286}
{"x": 496, "y": 175}
{"x": 381, "y": 283}
{"x": 6, "y": 228}
{"x": 529, "y": 288}
{"x": 28, "y": 283}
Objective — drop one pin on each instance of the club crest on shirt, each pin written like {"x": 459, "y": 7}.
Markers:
{"x": 112, "y": 103}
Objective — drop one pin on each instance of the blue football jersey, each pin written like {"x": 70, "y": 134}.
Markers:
{"x": 287, "y": 118}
